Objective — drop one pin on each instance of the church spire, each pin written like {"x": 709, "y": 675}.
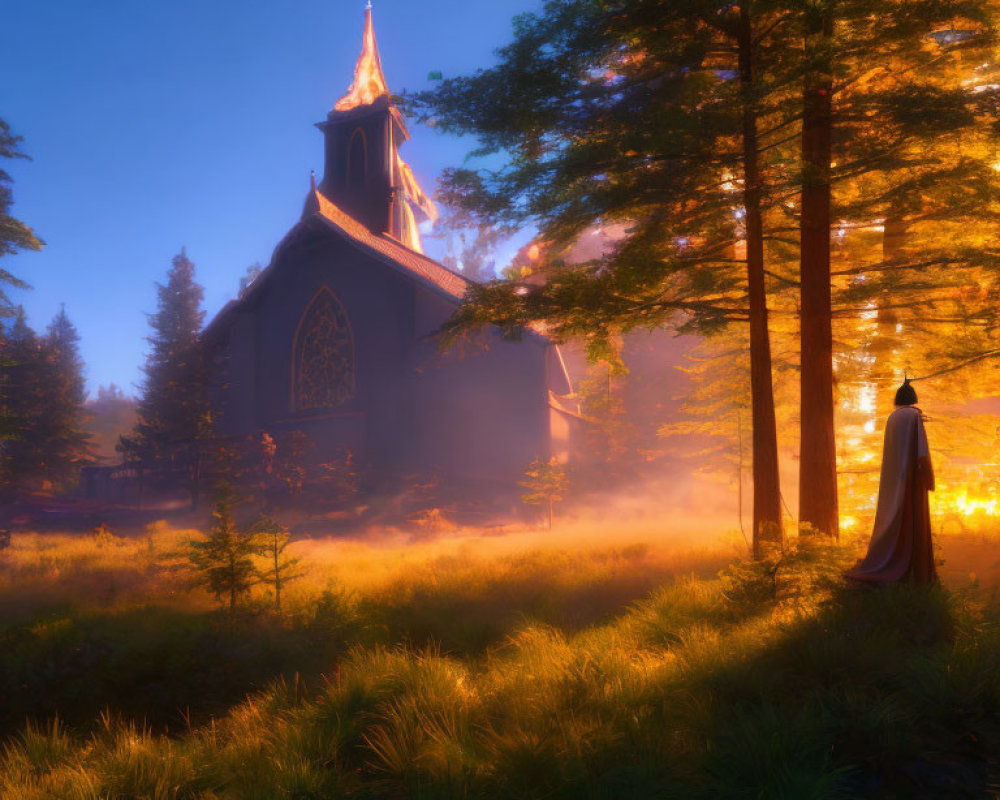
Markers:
{"x": 369, "y": 82}
{"x": 363, "y": 173}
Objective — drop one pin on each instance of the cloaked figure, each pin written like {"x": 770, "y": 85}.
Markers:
{"x": 901, "y": 547}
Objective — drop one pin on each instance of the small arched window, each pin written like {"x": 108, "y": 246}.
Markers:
{"x": 357, "y": 159}
{"x": 323, "y": 356}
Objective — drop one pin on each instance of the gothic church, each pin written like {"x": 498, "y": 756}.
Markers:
{"x": 337, "y": 337}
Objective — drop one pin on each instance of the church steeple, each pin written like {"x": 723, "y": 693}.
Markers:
{"x": 363, "y": 132}
{"x": 363, "y": 173}
{"x": 369, "y": 82}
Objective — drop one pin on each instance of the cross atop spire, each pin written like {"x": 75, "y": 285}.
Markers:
{"x": 369, "y": 82}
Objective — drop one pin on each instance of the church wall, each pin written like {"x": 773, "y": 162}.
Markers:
{"x": 481, "y": 410}
{"x": 378, "y": 306}
{"x": 473, "y": 412}
{"x": 239, "y": 371}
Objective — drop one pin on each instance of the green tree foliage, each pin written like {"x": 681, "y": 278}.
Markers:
{"x": 682, "y": 189}
{"x": 669, "y": 123}
{"x": 14, "y": 234}
{"x": 67, "y": 442}
{"x": 43, "y": 397}
{"x": 272, "y": 540}
{"x": 601, "y": 400}
{"x": 911, "y": 226}
{"x": 914, "y": 194}
{"x": 224, "y": 559}
{"x": 23, "y": 391}
{"x": 546, "y": 483}
{"x": 715, "y": 412}
{"x": 896, "y": 109}
{"x": 579, "y": 160}
{"x": 175, "y": 418}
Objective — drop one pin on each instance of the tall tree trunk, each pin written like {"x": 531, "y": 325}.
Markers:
{"x": 277, "y": 575}
{"x": 195, "y": 474}
{"x": 817, "y": 449}
{"x": 232, "y": 582}
{"x": 766, "y": 482}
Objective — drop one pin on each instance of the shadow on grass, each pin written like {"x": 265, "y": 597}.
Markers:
{"x": 165, "y": 667}
{"x": 890, "y": 692}
{"x": 473, "y": 609}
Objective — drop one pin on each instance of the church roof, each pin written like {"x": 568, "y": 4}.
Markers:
{"x": 400, "y": 256}
{"x": 383, "y": 247}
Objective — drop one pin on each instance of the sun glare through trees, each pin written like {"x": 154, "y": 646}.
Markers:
{"x": 652, "y": 454}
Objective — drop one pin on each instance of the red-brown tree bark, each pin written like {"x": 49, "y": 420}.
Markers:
{"x": 817, "y": 449}
{"x": 766, "y": 483}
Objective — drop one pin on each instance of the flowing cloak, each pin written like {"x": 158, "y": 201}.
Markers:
{"x": 901, "y": 541}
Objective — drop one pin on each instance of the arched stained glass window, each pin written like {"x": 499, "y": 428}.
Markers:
{"x": 323, "y": 358}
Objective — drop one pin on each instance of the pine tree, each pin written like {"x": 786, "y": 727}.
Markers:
{"x": 175, "y": 416}
{"x": 224, "y": 559}
{"x": 44, "y": 394}
{"x": 66, "y": 442}
{"x": 14, "y": 234}
{"x": 546, "y": 484}
{"x": 22, "y": 382}
{"x": 644, "y": 117}
{"x": 610, "y": 436}
{"x": 272, "y": 539}
{"x": 715, "y": 410}
{"x": 891, "y": 123}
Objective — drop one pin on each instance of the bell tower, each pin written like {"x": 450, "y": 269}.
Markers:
{"x": 363, "y": 173}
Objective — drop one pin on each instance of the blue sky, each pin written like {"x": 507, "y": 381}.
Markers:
{"x": 157, "y": 125}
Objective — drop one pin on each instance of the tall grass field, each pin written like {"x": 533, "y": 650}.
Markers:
{"x": 577, "y": 664}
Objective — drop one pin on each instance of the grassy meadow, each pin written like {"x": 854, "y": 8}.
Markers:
{"x": 578, "y": 664}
